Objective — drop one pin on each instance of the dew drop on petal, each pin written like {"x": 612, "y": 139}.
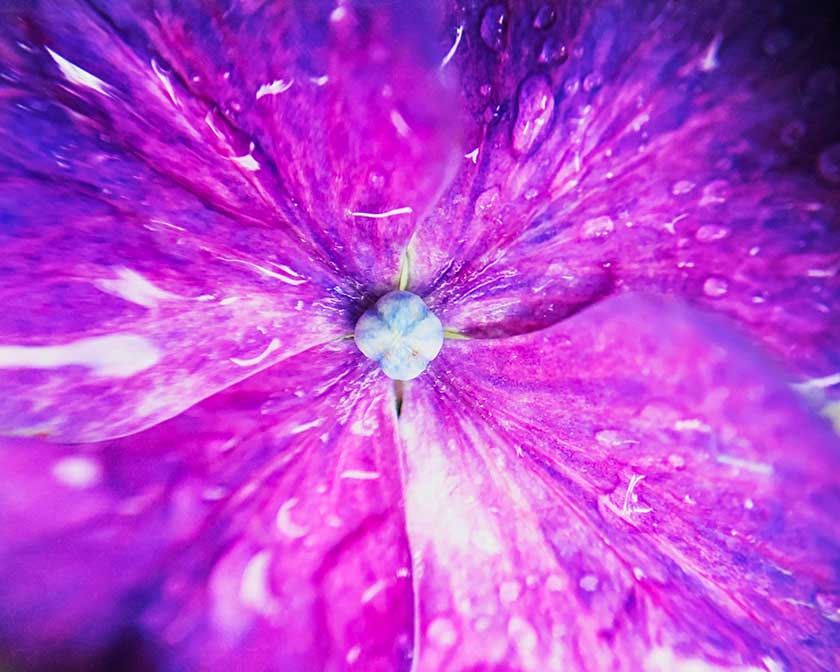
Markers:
{"x": 715, "y": 287}
{"x": 553, "y": 51}
{"x": 534, "y": 111}
{"x": 829, "y": 163}
{"x": 544, "y": 17}
{"x": 509, "y": 592}
{"x": 494, "y": 26}
{"x": 598, "y": 227}
{"x": 442, "y": 632}
{"x": 682, "y": 187}
{"x": 793, "y": 133}
{"x": 589, "y": 583}
{"x": 708, "y": 233}
{"x": 592, "y": 81}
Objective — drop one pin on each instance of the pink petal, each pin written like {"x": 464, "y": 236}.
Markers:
{"x": 626, "y": 146}
{"x": 307, "y": 113}
{"x": 631, "y": 489}
{"x": 257, "y": 530}
{"x": 117, "y": 319}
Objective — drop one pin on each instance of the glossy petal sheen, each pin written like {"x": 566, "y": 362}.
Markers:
{"x": 632, "y": 489}
{"x": 259, "y": 530}
{"x": 682, "y": 148}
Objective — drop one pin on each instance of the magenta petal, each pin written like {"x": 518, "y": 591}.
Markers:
{"x": 258, "y": 530}
{"x": 631, "y": 489}
{"x": 114, "y": 320}
{"x": 300, "y": 115}
{"x": 626, "y": 146}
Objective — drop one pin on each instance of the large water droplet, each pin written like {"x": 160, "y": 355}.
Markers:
{"x": 829, "y": 163}
{"x": 553, "y": 51}
{"x": 494, "y": 26}
{"x": 544, "y": 17}
{"x": 708, "y": 233}
{"x": 598, "y": 227}
{"x": 535, "y": 108}
{"x": 715, "y": 287}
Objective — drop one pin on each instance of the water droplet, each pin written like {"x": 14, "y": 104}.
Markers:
{"x": 612, "y": 438}
{"x": 544, "y": 17}
{"x": 589, "y": 583}
{"x": 829, "y": 605}
{"x": 553, "y": 51}
{"x": 535, "y": 108}
{"x": 487, "y": 200}
{"x": 494, "y": 26}
{"x": 592, "y": 81}
{"x": 708, "y": 233}
{"x": 442, "y": 632}
{"x": 715, "y": 287}
{"x": 509, "y": 592}
{"x": 829, "y": 163}
{"x": 523, "y": 633}
{"x": 792, "y": 133}
{"x": 682, "y": 187}
{"x": 571, "y": 86}
{"x": 376, "y": 179}
{"x": 598, "y": 227}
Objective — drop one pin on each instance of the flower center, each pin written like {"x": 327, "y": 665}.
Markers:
{"x": 401, "y": 334}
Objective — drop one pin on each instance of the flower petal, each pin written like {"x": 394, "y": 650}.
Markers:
{"x": 644, "y": 146}
{"x": 631, "y": 489}
{"x": 307, "y": 113}
{"x": 127, "y": 298}
{"x": 257, "y": 530}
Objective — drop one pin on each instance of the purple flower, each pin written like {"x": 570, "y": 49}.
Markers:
{"x": 625, "y": 216}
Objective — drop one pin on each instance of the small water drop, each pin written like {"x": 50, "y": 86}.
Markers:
{"x": 598, "y": 227}
{"x": 589, "y": 583}
{"x": 715, "y": 287}
{"x": 612, "y": 438}
{"x": 487, "y": 200}
{"x": 682, "y": 187}
{"x": 829, "y": 163}
{"x": 509, "y": 592}
{"x": 494, "y": 26}
{"x": 442, "y": 632}
{"x": 535, "y": 109}
{"x": 592, "y": 81}
{"x": 544, "y": 17}
{"x": 792, "y": 133}
{"x": 553, "y": 51}
{"x": 708, "y": 233}
{"x": 571, "y": 86}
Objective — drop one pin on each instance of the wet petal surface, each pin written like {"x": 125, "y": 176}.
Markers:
{"x": 258, "y": 530}
{"x": 301, "y": 116}
{"x": 625, "y": 146}
{"x": 631, "y": 489}
{"x": 124, "y": 308}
